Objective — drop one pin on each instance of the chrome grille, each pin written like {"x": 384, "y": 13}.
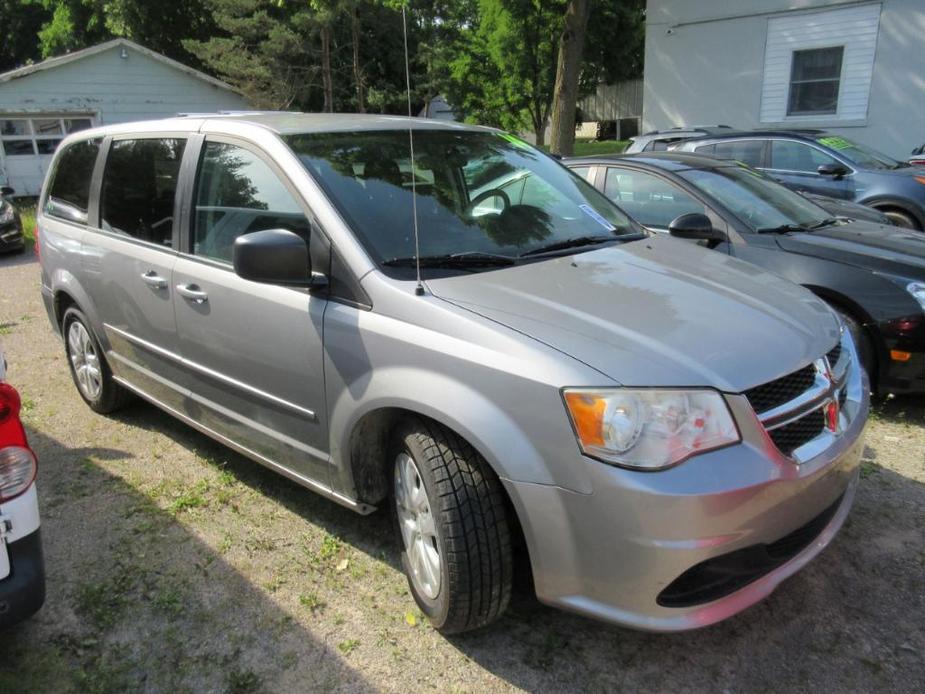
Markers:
{"x": 781, "y": 391}
{"x": 793, "y": 409}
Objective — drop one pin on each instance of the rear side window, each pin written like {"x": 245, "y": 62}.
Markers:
{"x": 69, "y": 192}
{"x": 238, "y": 193}
{"x": 746, "y": 151}
{"x": 139, "y": 187}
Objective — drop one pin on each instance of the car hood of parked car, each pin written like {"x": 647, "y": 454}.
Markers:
{"x": 888, "y": 249}
{"x": 656, "y": 312}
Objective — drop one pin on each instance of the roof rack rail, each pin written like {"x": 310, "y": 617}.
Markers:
{"x": 242, "y": 112}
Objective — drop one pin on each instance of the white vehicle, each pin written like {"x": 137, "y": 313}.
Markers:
{"x": 22, "y": 566}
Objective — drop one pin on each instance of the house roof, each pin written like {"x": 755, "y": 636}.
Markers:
{"x": 60, "y": 60}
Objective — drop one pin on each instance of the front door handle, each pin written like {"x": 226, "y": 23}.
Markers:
{"x": 153, "y": 279}
{"x": 193, "y": 293}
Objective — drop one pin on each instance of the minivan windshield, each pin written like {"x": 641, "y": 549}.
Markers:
{"x": 763, "y": 204}
{"x": 482, "y": 197}
{"x": 862, "y": 155}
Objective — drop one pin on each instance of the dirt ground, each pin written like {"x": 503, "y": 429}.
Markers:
{"x": 176, "y": 565}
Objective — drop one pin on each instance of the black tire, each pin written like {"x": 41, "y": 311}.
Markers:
{"x": 111, "y": 395}
{"x": 902, "y": 219}
{"x": 473, "y": 538}
{"x": 864, "y": 346}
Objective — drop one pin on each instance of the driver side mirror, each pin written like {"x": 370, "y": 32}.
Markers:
{"x": 836, "y": 171}
{"x": 6, "y": 190}
{"x": 695, "y": 226}
{"x": 273, "y": 256}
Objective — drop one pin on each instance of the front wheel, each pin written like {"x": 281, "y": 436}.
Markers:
{"x": 452, "y": 523}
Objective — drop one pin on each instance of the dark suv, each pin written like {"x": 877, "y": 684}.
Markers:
{"x": 815, "y": 161}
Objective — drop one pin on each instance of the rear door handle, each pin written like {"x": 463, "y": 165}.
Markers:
{"x": 193, "y": 293}
{"x": 153, "y": 279}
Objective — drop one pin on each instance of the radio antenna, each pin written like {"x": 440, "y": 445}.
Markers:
{"x": 419, "y": 289}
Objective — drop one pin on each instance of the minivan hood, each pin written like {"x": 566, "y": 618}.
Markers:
{"x": 887, "y": 249}
{"x": 656, "y": 312}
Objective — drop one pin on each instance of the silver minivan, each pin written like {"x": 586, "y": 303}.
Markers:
{"x": 472, "y": 338}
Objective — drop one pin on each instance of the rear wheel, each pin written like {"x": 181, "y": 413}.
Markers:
{"x": 452, "y": 523}
{"x": 89, "y": 369}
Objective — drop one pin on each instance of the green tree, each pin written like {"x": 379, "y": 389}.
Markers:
{"x": 19, "y": 27}
{"x": 502, "y": 70}
{"x": 568, "y": 70}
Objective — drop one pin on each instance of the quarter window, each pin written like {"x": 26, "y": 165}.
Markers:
{"x": 746, "y": 151}
{"x": 238, "y": 193}
{"x": 139, "y": 188}
{"x": 787, "y": 155}
{"x": 69, "y": 192}
{"x": 815, "y": 75}
{"x": 651, "y": 200}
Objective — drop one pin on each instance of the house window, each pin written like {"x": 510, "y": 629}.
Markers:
{"x": 30, "y": 136}
{"x": 814, "y": 79}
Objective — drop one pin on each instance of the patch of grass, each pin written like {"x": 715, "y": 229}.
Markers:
{"x": 587, "y": 148}
{"x": 102, "y": 602}
{"x": 311, "y": 601}
{"x": 868, "y": 469}
{"x": 189, "y": 498}
{"x": 242, "y": 681}
{"x": 330, "y": 548}
{"x": 348, "y": 646}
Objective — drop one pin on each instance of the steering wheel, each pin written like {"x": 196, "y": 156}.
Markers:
{"x": 481, "y": 197}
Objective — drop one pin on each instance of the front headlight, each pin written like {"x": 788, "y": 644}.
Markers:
{"x": 7, "y": 213}
{"x": 649, "y": 429}
{"x": 917, "y": 289}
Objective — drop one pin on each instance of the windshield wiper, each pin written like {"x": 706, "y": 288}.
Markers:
{"x": 827, "y": 222}
{"x": 570, "y": 243}
{"x": 782, "y": 229}
{"x": 461, "y": 260}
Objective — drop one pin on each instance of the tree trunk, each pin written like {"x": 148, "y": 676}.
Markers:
{"x": 357, "y": 70}
{"x": 568, "y": 69}
{"x": 539, "y": 131}
{"x": 327, "y": 79}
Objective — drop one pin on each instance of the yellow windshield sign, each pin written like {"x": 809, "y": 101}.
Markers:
{"x": 835, "y": 142}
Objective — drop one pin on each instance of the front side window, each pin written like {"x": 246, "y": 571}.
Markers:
{"x": 787, "y": 155}
{"x": 815, "y": 75}
{"x": 139, "y": 188}
{"x": 238, "y": 193}
{"x": 69, "y": 193}
{"x": 754, "y": 198}
{"x": 483, "y": 193}
{"x": 650, "y": 200}
{"x": 746, "y": 151}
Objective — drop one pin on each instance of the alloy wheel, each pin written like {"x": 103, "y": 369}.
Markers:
{"x": 85, "y": 361}
{"x": 418, "y": 529}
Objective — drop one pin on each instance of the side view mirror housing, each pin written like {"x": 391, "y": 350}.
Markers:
{"x": 6, "y": 190}
{"x": 836, "y": 171}
{"x": 273, "y": 256}
{"x": 695, "y": 226}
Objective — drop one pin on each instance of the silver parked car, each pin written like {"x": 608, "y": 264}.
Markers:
{"x": 668, "y": 432}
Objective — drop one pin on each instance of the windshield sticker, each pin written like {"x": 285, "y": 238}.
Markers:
{"x": 835, "y": 142}
{"x": 516, "y": 141}
{"x": 593, "y": 214}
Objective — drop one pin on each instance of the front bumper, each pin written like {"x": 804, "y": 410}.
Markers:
{"x": 613, "y": 553}
{"x": 22, "y": 593}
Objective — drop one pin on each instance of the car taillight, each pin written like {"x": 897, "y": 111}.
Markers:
{"x": 18, "y": 465}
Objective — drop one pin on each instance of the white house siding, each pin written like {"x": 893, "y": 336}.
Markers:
{"x": 705, "y": 64}
{"x": 854, "y": 27}
{"x": 108, "y": 89}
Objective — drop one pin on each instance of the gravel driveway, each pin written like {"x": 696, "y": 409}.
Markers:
{"x": 177, "y": 565}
